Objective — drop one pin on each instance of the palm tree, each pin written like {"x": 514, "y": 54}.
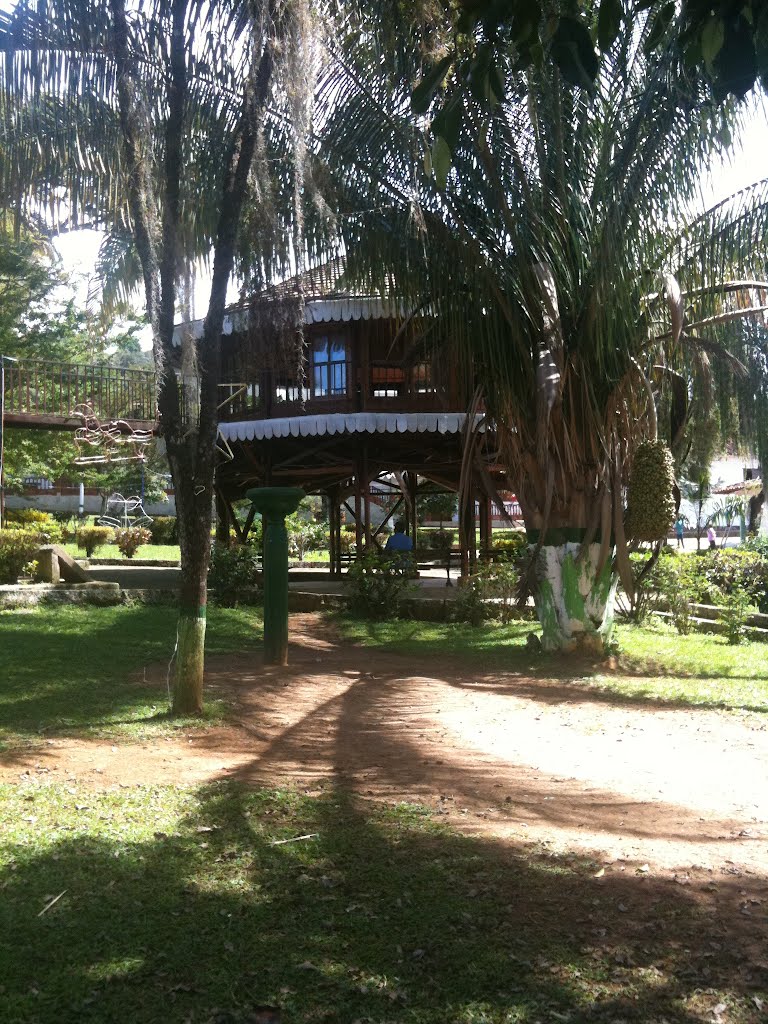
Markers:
{"x": 545, "y": 229}
{"x": 158, "y": 121}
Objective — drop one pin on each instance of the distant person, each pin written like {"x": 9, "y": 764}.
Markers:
{"x": 679, "y": 527}
{"x": 399, "y": 541}
{"x": 711, "y": 538}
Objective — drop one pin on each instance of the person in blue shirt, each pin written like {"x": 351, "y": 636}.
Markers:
{"x": 399, "y": 541}
{"x": 679, "y": 527}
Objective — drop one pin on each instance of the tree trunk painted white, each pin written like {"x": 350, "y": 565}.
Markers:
{"x": 190, "y": 665}
{"x": 575, "y": 607}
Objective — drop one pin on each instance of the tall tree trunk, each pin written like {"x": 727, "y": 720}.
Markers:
{"x": 194, "y": 517}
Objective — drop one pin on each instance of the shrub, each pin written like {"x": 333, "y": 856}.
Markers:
{"x": 734, "y": 569}
{"x": 347, "y": 539}
{"x": 130, "y": 538}
{"x": 34, "y": 519}
{"x": 513, "y": 543}
{"x": 89, "y": 538}
{"x": 735, "y": 610}
{"x": 441, "y": 541}
{"x": 490, "y": 593}
{"x": 433, "y": 543}
{"x": 18, "y": 548}
{"x": 304, "y": 535}
{"x": 234, "y": 575}
{"x": 376, "y": 585}
{"x": 757, "y": 543}
{"x": 164, "y": 530}
{"x": 675, "y": 581}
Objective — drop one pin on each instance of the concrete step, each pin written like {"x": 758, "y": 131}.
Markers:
{"x": 704, "y": 624}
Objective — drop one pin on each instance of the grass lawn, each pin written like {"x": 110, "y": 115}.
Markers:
{"x": 175, "y": 905}
{"x": 75, "y": 669}
{"x": 153, "y": 552}
{"x": 654, "y": 662}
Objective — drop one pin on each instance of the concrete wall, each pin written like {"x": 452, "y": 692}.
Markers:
{"x": 69, "y": 503}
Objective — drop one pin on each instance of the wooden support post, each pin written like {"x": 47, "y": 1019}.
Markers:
{"x": 412, "y": 485}
{"x": 472, "y": 535}
{"x": 249, "y": 523}
{"x": 390, "y": 515}
{"x": 366, "y": 499}
{"x": 334, "y": 522}
{"x": 222, "y": 520}
{"x": 359, "y": 534}
{"x": 485, "y": 527}
{"x": 332, "y": 513}
{"x": 463, "y": 540}
{"x": 365, "y": 364}
{"x": 233, "y": 520}
{"x": 337, "y": 505}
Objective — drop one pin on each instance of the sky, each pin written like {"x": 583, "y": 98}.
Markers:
{"x": 748, "y": 161}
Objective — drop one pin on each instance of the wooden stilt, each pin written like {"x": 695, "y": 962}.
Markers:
{"x": 222, "y": 520}
{"x": 472, "y": 535}
{"x": 249, "y": 522}
{"x": 412, "y": 484}
{"x": 366, "y": 499}
{"x": 331, "y": 536}
{"x": 337, "y": 506}
{"x": 359, "y": 534}
{"x": 463, "y": 540}
{"x": 485, "y": 530}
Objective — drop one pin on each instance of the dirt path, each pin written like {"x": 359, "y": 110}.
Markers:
{"x": 555, "y": 764}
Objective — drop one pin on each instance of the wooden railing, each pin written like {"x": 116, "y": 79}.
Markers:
{"x": 48, "y": 394}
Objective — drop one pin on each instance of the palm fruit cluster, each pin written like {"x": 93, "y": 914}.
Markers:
{"x": 650, "y": 496}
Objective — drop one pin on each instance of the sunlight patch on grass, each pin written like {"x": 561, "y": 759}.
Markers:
{"x": 151, "y": 552}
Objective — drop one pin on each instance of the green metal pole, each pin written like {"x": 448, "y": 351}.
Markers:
{"x": 274, "y": 504}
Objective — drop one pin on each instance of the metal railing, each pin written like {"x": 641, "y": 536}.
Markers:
{"x": 37, "y": 388}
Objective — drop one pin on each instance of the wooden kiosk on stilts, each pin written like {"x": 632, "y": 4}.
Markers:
{"x": 370, "y": 413}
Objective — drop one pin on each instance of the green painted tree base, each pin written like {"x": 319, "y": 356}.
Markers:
{"x": 190, "y": 665}
{"x": 575, "y": 606}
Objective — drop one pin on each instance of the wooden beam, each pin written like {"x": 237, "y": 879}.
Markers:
{"x": 389, "y": 515}
{"x": 249, "y": 522}
{"x": 233, "y": 519}
{"x": 222, "y": 519}
{"x": 366, "y": 497}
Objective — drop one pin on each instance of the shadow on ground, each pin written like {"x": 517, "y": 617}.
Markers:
{"x": 66, "y": 670}
{"x": 380, "y": 917}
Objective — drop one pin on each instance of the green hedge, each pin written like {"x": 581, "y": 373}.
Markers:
{"x": 34, "y": 519}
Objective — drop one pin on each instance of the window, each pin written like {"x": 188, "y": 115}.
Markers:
{"x": 329, "y": 366}
{"x": 287, "y": 391}
{"x": 387, "y": 380}
{"x": 422, "y": 379}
